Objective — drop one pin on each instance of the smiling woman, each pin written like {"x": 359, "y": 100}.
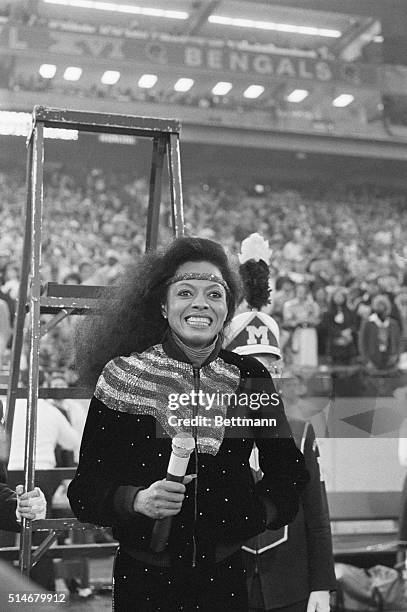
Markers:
{"x": 132, "y": 319}
{"x": 195, "y": 305}
{"x": 159, "y": 337}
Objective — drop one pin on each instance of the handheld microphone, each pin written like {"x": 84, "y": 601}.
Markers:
{"x": 182, "y": 446}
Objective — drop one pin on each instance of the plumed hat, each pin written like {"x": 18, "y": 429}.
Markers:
{"x": 253, "y": 332}
{"x": 255, "y": 247}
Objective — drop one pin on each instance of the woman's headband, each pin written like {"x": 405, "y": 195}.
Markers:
{"x": 199, "y": 276}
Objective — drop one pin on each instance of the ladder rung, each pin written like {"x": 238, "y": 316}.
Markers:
{"x": 66, "y": 551}
{"x": 53, "y": 305}
{"x": 63, "y": 524}
{"x": 51, "y": 393}
{"x": 52, "y": 477}
{"x": 79, "y": 297}
{"x": 61, "y": 472}
{"x": 105, "y": 122}
{"x": 77, "y": 291}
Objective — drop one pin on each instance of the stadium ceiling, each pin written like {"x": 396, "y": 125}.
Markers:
{"x": 308, "y": 64}
{"x": 256, "y": 22}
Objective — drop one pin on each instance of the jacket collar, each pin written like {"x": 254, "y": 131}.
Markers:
{"x": 172, "y": 349}
{"x": 375, "y": 319}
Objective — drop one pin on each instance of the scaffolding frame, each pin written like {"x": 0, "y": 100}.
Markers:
{"x": 165, "y": 136}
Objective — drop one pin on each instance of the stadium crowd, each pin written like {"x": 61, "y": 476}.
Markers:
{"x": 338, "y": 264}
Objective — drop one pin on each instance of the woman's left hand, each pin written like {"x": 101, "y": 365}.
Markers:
{"x": 318, "y": 601}
{"x": 31, "y": 505}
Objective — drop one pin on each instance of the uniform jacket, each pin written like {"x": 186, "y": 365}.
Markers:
{"x": 369, "y": 342}
{"x": 296, "y": 559}
{"x": 126, "y": 446}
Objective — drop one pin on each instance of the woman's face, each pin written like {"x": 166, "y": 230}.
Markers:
{"x": 196, "y": 309}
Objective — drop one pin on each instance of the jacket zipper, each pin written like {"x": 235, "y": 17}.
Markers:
{"x": 196, "y": 373}
{"x": 256, "y": 556}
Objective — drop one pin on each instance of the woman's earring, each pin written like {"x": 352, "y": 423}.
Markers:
{"x": 164, "y": 314}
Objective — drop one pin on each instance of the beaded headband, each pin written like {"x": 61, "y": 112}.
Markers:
{"x": 198, "y": 276}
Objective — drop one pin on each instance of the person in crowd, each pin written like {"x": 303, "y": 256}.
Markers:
{"x": 72, "y": 278}
{"x": 285, "y": 291}
{"x": 53, "y": 429}
{"x": 400, "y": 395}
{"x": 57, "y": 346}
{"x": 320, "y": 276}
{"x": 401, "y": 302}
{"x": 337, "y": 283}
{"x": 16, "y": 505}
{"x": 291, "y": 569}
{"x": 86, "y": 271}
{"x": 11, "y": 305}
{"x": 321, "y": 299}
{"x": 298, "y": 271}
{"x": 340, "y": 324}
{"x": 11, "y": 281}
{"x": 294, "y": 249}
{"x": 354, "y": 297}
{"x": 380, "y": 337}
{"x": 251, "y": 325}
{"x": 4, "y": 261}
{"x": 5, "y": 329}
{"x": 76, "y": 571}
{"x": 388, "y": 285}
{"x": 370, "y": 290}
{"x": 74, "y": 410}
{"x": 86, "y": 212}
{"x": 161, "y": 336}
{"x": 109, "y": 272}
{"x": 301, "y": 317}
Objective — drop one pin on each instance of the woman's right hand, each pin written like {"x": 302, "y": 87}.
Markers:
{"x": 163, "y": 498}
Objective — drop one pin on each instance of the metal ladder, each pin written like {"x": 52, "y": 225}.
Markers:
{"x": 165, "y": 138}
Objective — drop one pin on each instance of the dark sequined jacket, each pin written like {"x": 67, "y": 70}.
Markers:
{"x": 122, "y": 452}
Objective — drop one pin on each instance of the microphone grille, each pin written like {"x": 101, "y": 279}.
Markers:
{"x": 183, "y": 444}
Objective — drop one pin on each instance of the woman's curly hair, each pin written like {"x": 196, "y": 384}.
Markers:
{"x": 255, "y": 279}
{"x": 129, "y": 319}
